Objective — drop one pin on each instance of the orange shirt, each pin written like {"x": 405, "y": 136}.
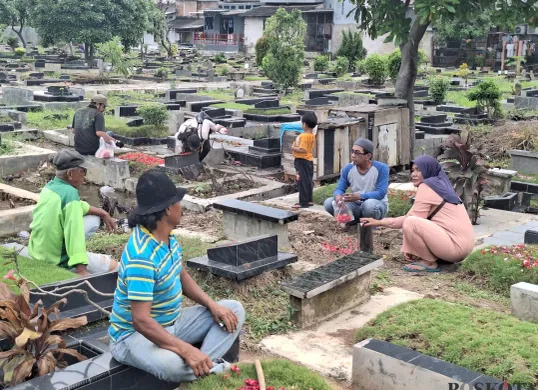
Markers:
{"x": 305, "y": 141}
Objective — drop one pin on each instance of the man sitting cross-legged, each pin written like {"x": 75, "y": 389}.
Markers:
{"x": 148, "y": 327}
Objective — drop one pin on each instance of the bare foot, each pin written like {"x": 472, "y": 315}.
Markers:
{"x": 422, "y": 265}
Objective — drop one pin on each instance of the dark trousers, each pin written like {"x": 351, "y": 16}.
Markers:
{"x": 206, "y": 148}
{"x": 305, "y": 184}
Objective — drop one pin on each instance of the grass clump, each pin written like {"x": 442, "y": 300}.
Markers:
{"x": 255, "y": 78}
{"x": 50, "y": 120}
{"x": 218, "y": 94}
{"x": 399, "y": 201}
{"x": 500, "y": 267}
{"x": 232, "y": 106}
{"x": 459, "y": 98}
{"x": 277, "y": 373}
{"x": 486, "y": 341}
{"x": 139, "y": 131}
{"x": 526, "y": 177}
{"x": 40, "y": 272}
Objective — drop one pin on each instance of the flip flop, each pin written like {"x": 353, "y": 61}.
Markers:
{"x": 310, "y": 204}
{"x": 424, "y": 268}
{"x": 296, "y": 206}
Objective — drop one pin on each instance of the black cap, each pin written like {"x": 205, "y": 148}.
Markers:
{"x": 68, "y": 158}
{"x": 155, "y": 191}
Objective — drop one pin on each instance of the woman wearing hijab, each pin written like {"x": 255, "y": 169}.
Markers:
{"x": 437, "y": 226}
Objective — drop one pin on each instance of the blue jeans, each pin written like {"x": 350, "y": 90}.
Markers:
{"x": 194, "y": 326}
{"x": 370, "y": 208}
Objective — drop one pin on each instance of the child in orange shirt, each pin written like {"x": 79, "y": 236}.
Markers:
{"x": 303, "y": 151}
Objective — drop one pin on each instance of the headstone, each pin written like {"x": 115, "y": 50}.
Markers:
{"x": 531, "y": 75}
{"x": 180, "y": 161}
{"x": 16, "y": 96}
{"x": 240, "y": 93}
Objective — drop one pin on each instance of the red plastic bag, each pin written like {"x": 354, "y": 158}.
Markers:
{"x": 342, "y": 213}
{"x": 106, "y": 150}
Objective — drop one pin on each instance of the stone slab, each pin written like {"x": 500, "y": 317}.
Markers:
{"x": 524, "y": 161}
{"x": 244, "y": 271}
{"x": 324, "y": 349}
{"x": 531, "y": 237}
{"x": 524, "y": 299}
{"x": 256, "y": 211}
{"x": 30, "y": 157}
{"x": 382, "y": 365}
{"x": 110, "y": 172}
{"x": 182, "y": 161}
{"x": 492, "y": 221}
{"x": 245, "y": 251}
{"x": 329, "y": 276}
{"x": 15, "y": 96}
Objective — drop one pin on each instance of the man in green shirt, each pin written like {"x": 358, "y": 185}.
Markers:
{"x": 62, "y": 222}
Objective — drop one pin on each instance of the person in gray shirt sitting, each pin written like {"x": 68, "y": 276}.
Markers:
{"x": 368, "y": 181}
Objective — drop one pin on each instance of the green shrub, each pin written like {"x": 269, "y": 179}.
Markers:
{"x": 27, "y": 60}
{"x": 12, "y": 42}
{"x": 342, "y": 66}
{"x": 487, "y": 95}
{"x": 220, "y": 58}
{"x": 438, "y": 87}
{"x": 20, "y": 51}
{"x": 394, "y": 62}
{"x": 321, "y": 63}
{"x": 153, "y": 114}
{"x": 162, "y": 73}
{"x": 223, "y": 70}
{"x": 174, "y": 49}
{"x": 376, "y": 67}
{"x": 262, "y": 46}
{"x": 360, "y": 66}
{"x": 352, "y": 47}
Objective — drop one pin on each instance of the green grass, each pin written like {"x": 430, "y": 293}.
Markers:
{"x": 50, "y": 120}
{"x": 232, "y": 106}
{"x": 277, "y": 373}
{"x": 271, "y": 111}
{"x": 267, "y": 306}
{"x": 294, "y": 98}
{"x": 489, "y": 342}
{"x": 255, "y": 78}
{"x": 497, "y": 268}
{"x": 473, "y": 291}
{"x": 139, "y": 131}
{"x": 39, "y": 272}
{"x": 526, "y": 177}
{"x": 459, "y": 98}
{"x": 121, "y": 98}
{"x": 399, "y": 201}
{"x": 218, "y": 94}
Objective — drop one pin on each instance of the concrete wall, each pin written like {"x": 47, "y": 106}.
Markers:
{"x": 190, "y": 7}
{"x": 253, "y": 32}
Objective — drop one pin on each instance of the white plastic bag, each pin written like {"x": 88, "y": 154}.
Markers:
{"x": 106, "y": 149}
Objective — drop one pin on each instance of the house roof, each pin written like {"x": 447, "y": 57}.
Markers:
{"x": 185, "y": 23}
{"x": 266, "y": 10}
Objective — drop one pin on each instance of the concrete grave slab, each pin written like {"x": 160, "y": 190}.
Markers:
{"x": 321, "y": 349}
{"x": 27, "y": 157}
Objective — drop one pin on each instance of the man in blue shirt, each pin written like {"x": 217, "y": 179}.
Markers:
{"x": 148, "y": 328}
{"x": 368, "y": 181}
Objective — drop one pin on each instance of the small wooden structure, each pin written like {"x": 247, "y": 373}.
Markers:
{"x": 334, "y": 139}
{"x": 386, "y": 127}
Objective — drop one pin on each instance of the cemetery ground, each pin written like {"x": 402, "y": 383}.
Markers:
{"x": 461, "y": 315}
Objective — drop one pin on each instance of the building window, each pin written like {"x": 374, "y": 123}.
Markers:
{"x": 248, "y": 6}
{"x": 241, "y": 7}
{"x": 232, "y": 7}
{"x": 208, "y": 23}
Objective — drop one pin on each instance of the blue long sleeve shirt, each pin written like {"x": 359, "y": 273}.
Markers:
{"x": 373, "y": 184}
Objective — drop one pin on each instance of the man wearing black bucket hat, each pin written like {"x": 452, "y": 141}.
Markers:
{"x": 148, "y": 328}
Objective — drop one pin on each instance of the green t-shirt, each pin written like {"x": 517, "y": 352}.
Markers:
{"x": 57, "y": 229}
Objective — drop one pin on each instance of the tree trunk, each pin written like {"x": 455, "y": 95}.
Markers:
{"x": 142, "y": 49}
{"x": 86, "y": 51}
{"x": 92, "y": 51}
{"x": 19, "y": 34}
{"x": 408, "y": 75}
{"x": 71, "y": 50}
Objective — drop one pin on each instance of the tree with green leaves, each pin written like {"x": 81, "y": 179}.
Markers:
{"x": 159, "y": 28}
{"x": 92, "y": 22}
{"x": 352, "y": 47}
{"x": 285, "y": 33}
{"x": 391, "y": 17}
{"x": 16, "y": 14}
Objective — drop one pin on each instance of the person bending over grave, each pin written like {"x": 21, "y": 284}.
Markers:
{"x": 368, "y": 181}
{"x": 62, "y": 222}
{"x": 148, "y": 327}
{"x": 437, "y": 226}
{"x": 89, "y": 126}
{"x": 193, "y": 135}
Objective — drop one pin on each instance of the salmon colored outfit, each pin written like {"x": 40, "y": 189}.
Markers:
{"x": 448, "y": 236}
